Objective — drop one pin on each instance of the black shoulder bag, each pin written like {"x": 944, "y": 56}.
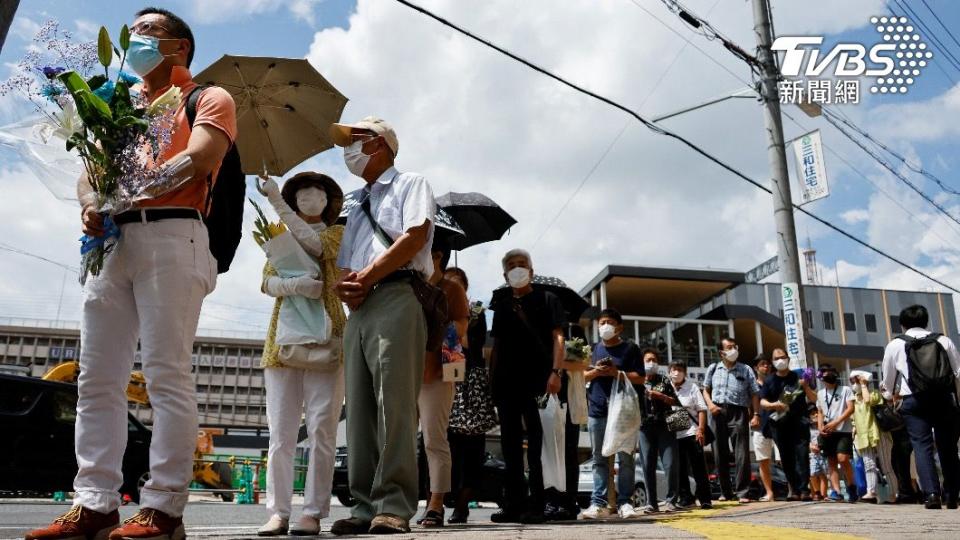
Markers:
{"x": 432, "y": 299}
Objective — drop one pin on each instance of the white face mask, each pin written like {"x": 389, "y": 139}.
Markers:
{"x": 607, "y": 331}
{"x": 856, "y": 388}
{"x": 781, "y": 364}
{"x": 651, "y": 368}
{"x": 311, "y": 201}
{"x": 519, "y": 277}
{"x": 355, "y": 159}
{"x": 730, "y": 356}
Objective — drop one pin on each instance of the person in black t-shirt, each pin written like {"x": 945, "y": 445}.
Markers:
{"x": 528, "y": 352}
{"x": 789, "y": 423}
{"x": 655, "y": 439}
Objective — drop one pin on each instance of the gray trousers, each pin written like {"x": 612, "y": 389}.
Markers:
{"x": 383, "y": 346}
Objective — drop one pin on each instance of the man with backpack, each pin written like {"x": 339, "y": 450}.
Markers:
{"x": 920, "y": 367}
{"x": 150, "y": 289}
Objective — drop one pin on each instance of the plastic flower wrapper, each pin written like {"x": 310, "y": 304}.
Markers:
{"x": 577, "y": 350}
{"x": 264, "y": 229}
{"x": 787, "y": 398}
{"x": 117, "y": 136}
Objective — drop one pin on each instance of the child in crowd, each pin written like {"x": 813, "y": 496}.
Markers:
{"x": 818, "y": 466}
{"x": 866, "y": 433}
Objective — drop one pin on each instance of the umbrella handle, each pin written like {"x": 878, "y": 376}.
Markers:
{"x": 256, "y": 182}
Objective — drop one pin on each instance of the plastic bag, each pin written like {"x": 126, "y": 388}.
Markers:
{"x": 577, "y": 397}
{"x": 553, "y": 418}
{"x": 860, "y": 475}
{"x": 623, "y": 418}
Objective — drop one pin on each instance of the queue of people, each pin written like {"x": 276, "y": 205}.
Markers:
{"x": 407, "y": 313}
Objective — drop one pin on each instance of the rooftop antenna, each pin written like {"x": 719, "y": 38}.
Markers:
{"x": 810, "y": 256}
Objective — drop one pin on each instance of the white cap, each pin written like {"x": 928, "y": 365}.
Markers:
{"x": 342, "y": 133}
{"x": 856, "y": 374}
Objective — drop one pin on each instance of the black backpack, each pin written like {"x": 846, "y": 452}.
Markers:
{"x": 928, "y": 365}
{"x": 225, "y": 201}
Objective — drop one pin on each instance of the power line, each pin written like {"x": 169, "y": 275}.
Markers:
{"x": 616, "y": 139}
{"x": 829, "y": 148}
{"x": 935, "y": 16}
{"x": 829, "y": 117}
{"x": 12, "y": 249}
{"x": 662, "y": 131}
{"x": 951, "y": 59}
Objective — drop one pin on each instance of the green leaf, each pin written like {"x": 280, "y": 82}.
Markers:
{"x": 73, "y": 81}
{"x": 104, "y": 47}
{"x": 96, "y": 81}
{"x": 124, "y": 38}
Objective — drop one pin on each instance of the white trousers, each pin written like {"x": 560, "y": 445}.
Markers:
{"x": 870, "y": 461}
{"x": 289, "y": 392}
{"x": 435, "y": 402}
{"x": 151, "y": 288}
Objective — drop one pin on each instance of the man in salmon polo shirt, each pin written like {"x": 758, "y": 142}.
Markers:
{"x": 150, "y": 289}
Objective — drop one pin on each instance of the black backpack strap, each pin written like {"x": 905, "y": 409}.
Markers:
{"x": 191, "y": 109}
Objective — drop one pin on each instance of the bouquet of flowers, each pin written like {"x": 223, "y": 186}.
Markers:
{"x": 577, "y": 351}
{"x": 265, "y": 231}
{"x": 787, "y": 398}
{"x": 117, "y": 134}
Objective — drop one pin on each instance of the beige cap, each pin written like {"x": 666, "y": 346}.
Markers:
{"x": 341, "y": 133}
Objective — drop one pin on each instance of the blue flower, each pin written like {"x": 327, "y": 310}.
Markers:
{"x": 52, "y": 72}
{"x": 50, "y": 91}
{"x": 129, "y": 78}
{"x": 105, "y": 91}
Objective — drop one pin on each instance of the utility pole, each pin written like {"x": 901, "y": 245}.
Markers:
{"x": 780, "y": 185}
{"x": 7, "y": 10}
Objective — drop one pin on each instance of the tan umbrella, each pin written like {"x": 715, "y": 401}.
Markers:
{"x": 284, "y": 109}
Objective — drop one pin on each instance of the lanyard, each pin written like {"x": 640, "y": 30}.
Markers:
{"x": 830, "y": 401}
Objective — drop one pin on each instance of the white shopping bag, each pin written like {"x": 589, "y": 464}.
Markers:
{"x": 623, "y": 418}
{"x": 302, "y": 320}
{"x": 577, "y": 397}
{"x": 553, "y": 418}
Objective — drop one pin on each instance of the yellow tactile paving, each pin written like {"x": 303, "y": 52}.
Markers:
{"x": 717, "y": 529}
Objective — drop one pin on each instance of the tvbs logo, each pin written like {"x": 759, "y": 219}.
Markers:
{"x": 895, "y": 61}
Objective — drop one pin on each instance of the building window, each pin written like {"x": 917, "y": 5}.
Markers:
{"x": 808, "y": 321}
{"x": 895, "y": 324}
{"x": 870, "y": 322}
{"x": 849, "y": 322}
{"x": 828, "y": 322}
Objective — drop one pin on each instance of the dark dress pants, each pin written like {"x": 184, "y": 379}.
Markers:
{"x": 932, "y": 424}
{"x": 732, "y": 427}
{"x": 515, "y": 411}
{"x": 693, "y": 463}
{"x": 793, "y": 441}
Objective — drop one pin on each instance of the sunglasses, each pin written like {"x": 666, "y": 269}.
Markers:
{"x": 146, "y": 26}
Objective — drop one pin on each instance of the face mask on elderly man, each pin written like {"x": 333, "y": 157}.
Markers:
{"x": 518, "y": 277}
{"x": 311, "y": 201}
{"x": 354, "y": 157}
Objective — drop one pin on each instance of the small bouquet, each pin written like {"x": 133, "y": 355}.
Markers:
{"x": 265, "y": 230}
{"x": 577, "y": 350}
{"x": 452, "y": 357}
{"x": 787, "y": 398}
{"x": 117, "y": 134}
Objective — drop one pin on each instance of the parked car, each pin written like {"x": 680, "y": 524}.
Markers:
{"x": 780, "y": 486}
{"x": 37, "y": 420}
{"x": 639, "y": 497}
{"x": 491, "y": 489}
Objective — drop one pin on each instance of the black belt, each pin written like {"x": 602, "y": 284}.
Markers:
{"x": 397, "y": 275}
{"x": 156, "y": 214}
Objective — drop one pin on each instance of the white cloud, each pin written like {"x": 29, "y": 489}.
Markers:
{"x": 923, "y": 121}
{"x": 855, "y": 215}
{"x": 24, "y": 28}
{"x": 472, "y": 120}
{"x": 87, "y": 29}
{"x": 210, "y": 11}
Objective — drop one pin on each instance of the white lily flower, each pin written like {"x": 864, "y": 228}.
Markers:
{"x": 67, "y": 123}
{"x": 169, "y": 99}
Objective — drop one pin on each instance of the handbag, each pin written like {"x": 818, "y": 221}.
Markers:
{"x": 432, "y": 298}
{"x": 888, "y": 417}
{"x": 323, "y": 357}
{"x": 678, "y": 419}
{"x": 708, "y": 435}
{"x": 473, "y": 412}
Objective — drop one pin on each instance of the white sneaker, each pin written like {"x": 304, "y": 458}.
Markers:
{"x": 306, "y": 526}
{"x": 595, "y": 512}
{"x": 277, "y": 526}
{"x": 627, "y": 512}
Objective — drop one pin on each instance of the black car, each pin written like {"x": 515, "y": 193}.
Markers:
{"x": 37, "y": 420}
{"x": 491, "y": 489}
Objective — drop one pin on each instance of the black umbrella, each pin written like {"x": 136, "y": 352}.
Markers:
{"x": 573, "y": 304}
{"x": 481, "y": 219}
{"x": 446, "y": 229}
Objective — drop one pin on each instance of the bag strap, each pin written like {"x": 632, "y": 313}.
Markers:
{"x": 522, "y": 315}
{"x": 377, "y": 229}
{"x": 191, "y": 108}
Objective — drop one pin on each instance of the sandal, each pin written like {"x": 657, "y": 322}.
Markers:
{"x": 457, "y": 517}
{"x": 431, "y": 518}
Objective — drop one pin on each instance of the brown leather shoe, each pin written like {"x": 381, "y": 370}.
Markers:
{"x": 150, "y": 524}
{"x": 349, "y": 526}
{"x": 78, "y": 524}
{"x": 389, "y": 524}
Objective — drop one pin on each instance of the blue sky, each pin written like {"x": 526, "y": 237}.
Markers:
{"x": 474, "y": 121}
